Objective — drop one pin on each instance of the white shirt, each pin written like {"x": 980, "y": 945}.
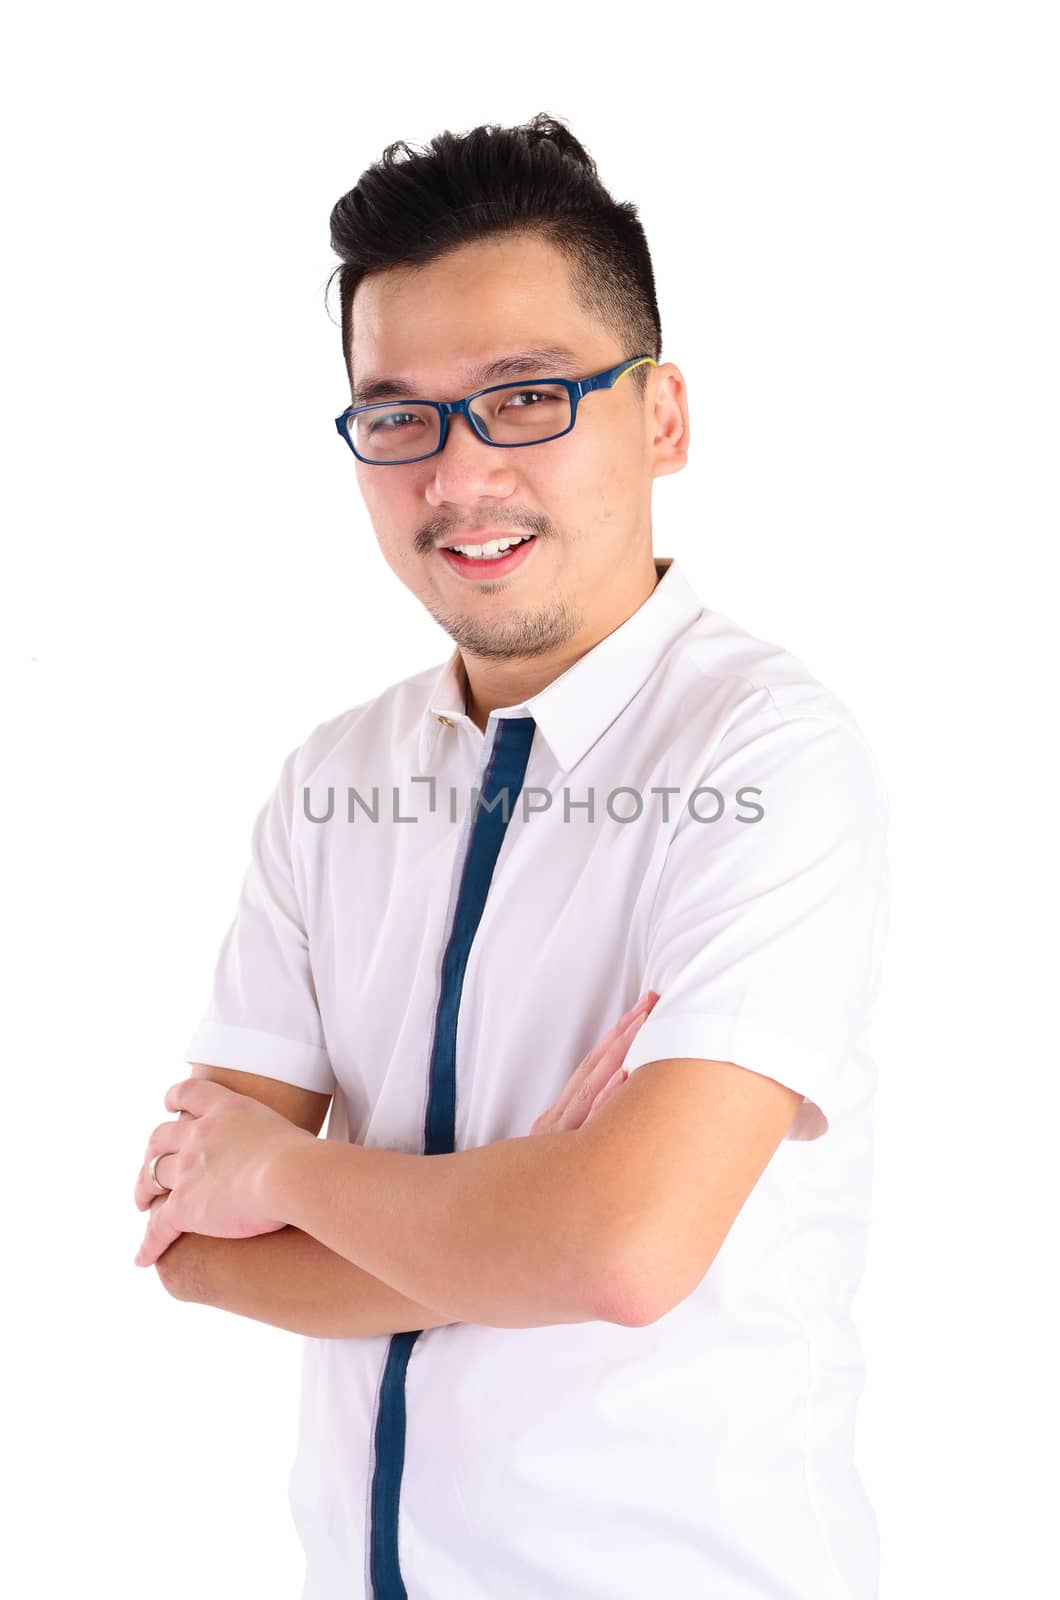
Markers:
{"x": 709, "y": 1453}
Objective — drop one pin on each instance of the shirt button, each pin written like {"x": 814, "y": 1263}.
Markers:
{"x": 445, "y": 722}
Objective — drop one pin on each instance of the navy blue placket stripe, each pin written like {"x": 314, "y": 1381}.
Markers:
{"x": 501, "y": 788}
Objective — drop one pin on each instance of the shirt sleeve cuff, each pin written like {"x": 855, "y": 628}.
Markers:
{"x": 748, "y": 1044}
{"x": 219, "y": 1044}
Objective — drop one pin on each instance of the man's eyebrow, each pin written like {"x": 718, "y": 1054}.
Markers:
{"x": 545, "y": 361}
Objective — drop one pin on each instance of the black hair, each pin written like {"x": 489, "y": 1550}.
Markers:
{"x": 490, "y": 182}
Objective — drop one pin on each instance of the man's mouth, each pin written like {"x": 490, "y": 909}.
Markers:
{"x": 501, "y": 554}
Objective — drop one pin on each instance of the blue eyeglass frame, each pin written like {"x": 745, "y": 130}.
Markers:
{"x": 577, "y": 388}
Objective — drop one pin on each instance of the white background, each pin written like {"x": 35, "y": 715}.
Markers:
{"x": 852, "y": 213}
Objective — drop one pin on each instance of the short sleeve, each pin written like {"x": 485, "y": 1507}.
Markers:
{"x": 766, "y": 935}
{"x": 263, "y": 1015}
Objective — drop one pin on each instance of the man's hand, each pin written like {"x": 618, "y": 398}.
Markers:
{"x": 214, "y": 1161}
{"x": 597, "y": 1076}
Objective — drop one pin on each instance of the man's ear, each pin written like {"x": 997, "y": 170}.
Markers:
{"x": 669, "y": 420}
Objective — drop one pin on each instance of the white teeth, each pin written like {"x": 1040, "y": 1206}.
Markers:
{"x": 488, "y": 552}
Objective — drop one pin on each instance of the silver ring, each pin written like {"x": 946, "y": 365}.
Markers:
{"x": 154, "y": 1175}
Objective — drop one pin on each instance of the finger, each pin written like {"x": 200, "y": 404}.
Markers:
{"x": 574, "y": 1113}
{"x": 158, "y": 1238}
{"x": 594, "y": 1057}
{"x": 159, "y": 1200}
{"x": 170, "y": 1136}
{"x": 614, "y": 1083}
{"x": 196, "y": 1095}
{"x": 165, "y": 1140}
{"x": 146, "y": 1190}
{"x": 639, "y": 1009}
{"x": 612, "y": 1054}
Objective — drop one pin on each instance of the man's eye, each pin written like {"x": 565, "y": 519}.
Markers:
{"x": 380, "y": 423}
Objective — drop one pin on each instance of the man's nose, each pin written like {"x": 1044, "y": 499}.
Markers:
{"x": 466, "y": 459}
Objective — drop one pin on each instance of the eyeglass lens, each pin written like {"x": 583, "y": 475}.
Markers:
{"x": 516, "y": 414}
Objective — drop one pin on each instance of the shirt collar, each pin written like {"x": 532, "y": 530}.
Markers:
{"x": 574, "y": 709}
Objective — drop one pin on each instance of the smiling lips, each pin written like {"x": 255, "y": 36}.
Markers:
{"x": 492, "y": 544}
{"x": 478, "y": 565}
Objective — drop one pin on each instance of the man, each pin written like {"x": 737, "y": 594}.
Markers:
{"x": 566, "y": 1334}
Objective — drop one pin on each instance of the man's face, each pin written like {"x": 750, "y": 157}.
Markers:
{"x": 586, "y": 496}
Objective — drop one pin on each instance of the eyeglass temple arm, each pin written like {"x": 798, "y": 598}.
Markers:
{"x": 607, "y": 380}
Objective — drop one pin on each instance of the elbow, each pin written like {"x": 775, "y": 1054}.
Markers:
{"x": 645, "y": 1279}
{"x": 627, "y": 1293}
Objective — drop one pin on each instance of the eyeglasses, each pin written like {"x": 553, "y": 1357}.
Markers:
{"x": 507, "y": 416}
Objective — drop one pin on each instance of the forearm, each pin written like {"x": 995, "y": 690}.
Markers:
{"x": 512, "y": 1234}
{"x": 292, "y": 1281}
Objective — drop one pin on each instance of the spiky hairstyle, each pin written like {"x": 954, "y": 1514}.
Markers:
{"x": 412, "y": 206}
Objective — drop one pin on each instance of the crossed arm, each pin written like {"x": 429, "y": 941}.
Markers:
{"x": 615, "y": 1221}
{"x": 292, "y": 1280}
{"x": 287, "y": 1278}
